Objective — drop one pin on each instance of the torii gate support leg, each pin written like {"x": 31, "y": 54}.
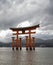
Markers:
{"x": 17, "y": 41}
{"x": 27, "y": 43}
{"x": 20, "y": 43}
{"x": 30, "y": 40}
{"x": 33, "y": 43}
{"x": 12, "y": 43}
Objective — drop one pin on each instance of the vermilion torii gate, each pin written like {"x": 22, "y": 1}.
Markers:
{"x": 29, "y": 39}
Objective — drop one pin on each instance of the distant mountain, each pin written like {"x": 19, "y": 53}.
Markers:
{"x": 38, "y": 42}
{"x": 2, "y": 44}
{"x": 49, "y": 42}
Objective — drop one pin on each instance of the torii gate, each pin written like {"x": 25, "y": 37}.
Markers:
{"x": 29, "y": 40}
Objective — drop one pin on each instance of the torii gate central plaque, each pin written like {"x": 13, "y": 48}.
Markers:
{"x": 29, "y": 39}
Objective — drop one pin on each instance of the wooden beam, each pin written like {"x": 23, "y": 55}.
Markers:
{"x": 24, "y": 33}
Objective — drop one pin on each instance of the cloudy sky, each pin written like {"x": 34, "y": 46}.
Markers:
{"x": 17, "y": 13}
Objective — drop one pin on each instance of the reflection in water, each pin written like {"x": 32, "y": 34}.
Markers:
{"x": 41, "y": 56}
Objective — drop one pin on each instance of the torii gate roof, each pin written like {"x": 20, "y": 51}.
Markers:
{"x": 25, "y": 28}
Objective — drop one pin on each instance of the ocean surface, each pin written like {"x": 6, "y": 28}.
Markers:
{"x": 41, "y": 56}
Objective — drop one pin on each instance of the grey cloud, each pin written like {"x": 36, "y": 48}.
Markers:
{"x": 44, "y": 36}
{"x": 11, "y": 17}
{"x": 15, "y": 11}
{"x": 50, "y": 7}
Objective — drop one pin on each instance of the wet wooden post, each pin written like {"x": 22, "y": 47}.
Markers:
{"x": 27, "y": 43}
{"x": 17, "y": 41}
{"x": 12, "y": 43}
{"x": 20, "y": 43}
{"x": 30, "y": 42}
{"x": 33, "y": 43}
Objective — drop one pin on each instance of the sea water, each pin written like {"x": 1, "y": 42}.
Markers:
{"x": 39, "y": 56}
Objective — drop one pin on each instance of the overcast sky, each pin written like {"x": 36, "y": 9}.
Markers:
{"x": 33, "y": 12}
